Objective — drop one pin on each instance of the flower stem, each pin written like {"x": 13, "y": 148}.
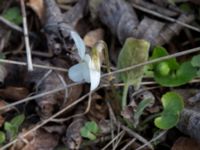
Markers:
{"x": 124, "y": 98}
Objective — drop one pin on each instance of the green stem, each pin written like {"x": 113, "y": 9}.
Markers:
{"x": 124, "y": 98}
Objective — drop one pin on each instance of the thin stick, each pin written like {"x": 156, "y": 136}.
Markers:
{"x": 7, "y": 61}
{"x": 189, "y": 51}
{"x": 37, "y": 96}
{"x": 128, "y": 144}
{"x": 152, "y": 140}
{"x": 136, "y": 135}
{"x": 115, "y": 138}
{"x": 165, "y": 17}
{"x": 26, "y": 37}
{"x": 10, "y": 25}
{"x": 153, "y": 61}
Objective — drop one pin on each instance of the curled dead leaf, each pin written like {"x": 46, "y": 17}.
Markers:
{"x": 37, "y": 6}
{"x": 92, "y": 37}
{"x": 184, "y": 143}
{"x": 18, "y": 93}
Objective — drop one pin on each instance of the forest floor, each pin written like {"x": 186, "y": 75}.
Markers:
{"x": 99, "y": 74}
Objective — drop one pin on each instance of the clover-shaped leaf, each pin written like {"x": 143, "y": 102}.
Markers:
{"x": 13, "y": 15}
{"x": 89, "y": 130}
{"x": 169, "y": 73}
{"x": 172, "y": 106}
{"x": 134, "y": 51}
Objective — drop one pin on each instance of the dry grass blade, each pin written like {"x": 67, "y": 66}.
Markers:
{"x": 26, "y": 38}
{"x": 34, "y": 65}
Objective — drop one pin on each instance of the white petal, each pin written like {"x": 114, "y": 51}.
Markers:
{"x": 95, "y": 79}
{"x": 94, "y": 73}
{"x": 79, "y": 44}
{"x": 75, "y": 73}
{"x": 86, "y": 72}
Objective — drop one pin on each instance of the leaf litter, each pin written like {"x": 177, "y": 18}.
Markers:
{"x": 90, "y": 110}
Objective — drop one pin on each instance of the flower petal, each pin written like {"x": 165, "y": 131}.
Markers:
{"x": 75, "y": 73}
{"x": 94, "y": 73}
{"x": 79, "y": 43}
{"x": 94, "y": 79}
{"x": 86, "y": 72}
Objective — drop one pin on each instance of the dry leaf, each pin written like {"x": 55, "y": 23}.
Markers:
{"x": 42, "y": 140}
{"x": 99, "y": 109}
{"x": 18, "y": 93}
{"x": 184, "y": 143}
{"x": 73, "y": 138}
{"x": 92, "y": 37}
{"x": 37, "y": 6}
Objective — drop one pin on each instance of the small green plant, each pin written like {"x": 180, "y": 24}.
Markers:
{"x": 134, "y": 52}
{"x": 169, "y": 73}
{"x": 172, "y": 106}
{"x": 13, "y": 15}
{"x": 147, "y": 102}
{"x": 12, "y": 127}
{"x": 196, "y": 63}
{"x": 2, "y": 137}
{"x": 89, "y": 130}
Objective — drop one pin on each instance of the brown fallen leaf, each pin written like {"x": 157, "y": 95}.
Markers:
{"x": 99, "y": 109}
{"x": 184, "y": 143}
{"x": 18, "y": 93}
{"x": 73, "y": 138}
{"x": 92, "y": 37}
{"x": 38, "y": 140}
{"x": 37, "y": 6}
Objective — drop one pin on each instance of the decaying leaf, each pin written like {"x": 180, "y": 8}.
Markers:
{"x": 18, "y": 93}
{"x": 184, "y": 143}
{"x": 99, "y": 110}
{"x": 73, "y": 137}
{"x": 48, "y": 80}
{"x": 37, "y": 6}
{"x": 39, "y": 139}
{"x": 92, "y": 37}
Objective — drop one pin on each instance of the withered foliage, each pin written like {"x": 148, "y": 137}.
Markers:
{"x": 49, "y": 24}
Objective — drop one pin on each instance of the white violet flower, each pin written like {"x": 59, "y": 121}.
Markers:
{"x": 89, "y": 68}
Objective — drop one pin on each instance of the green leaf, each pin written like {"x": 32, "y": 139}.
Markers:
{"x": 13, "y": 15}
{"x": 89, "y": 130}
{"x": 183, "y": 75}
{"x": 172, "y": 106}
{"x": 18, "y": 120}
{"x": 160, "y": 52}
{"x": 10, "y": 130}
{"x": 92, "y": 126}
{"x": 134, "y": 52}
{"x": 169, "y": 73}
{"x": 87, "y": 134}
{"x": 2, "y": 137}
{"x": 140, "y": 108}
{"x": 196, "y": 61}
